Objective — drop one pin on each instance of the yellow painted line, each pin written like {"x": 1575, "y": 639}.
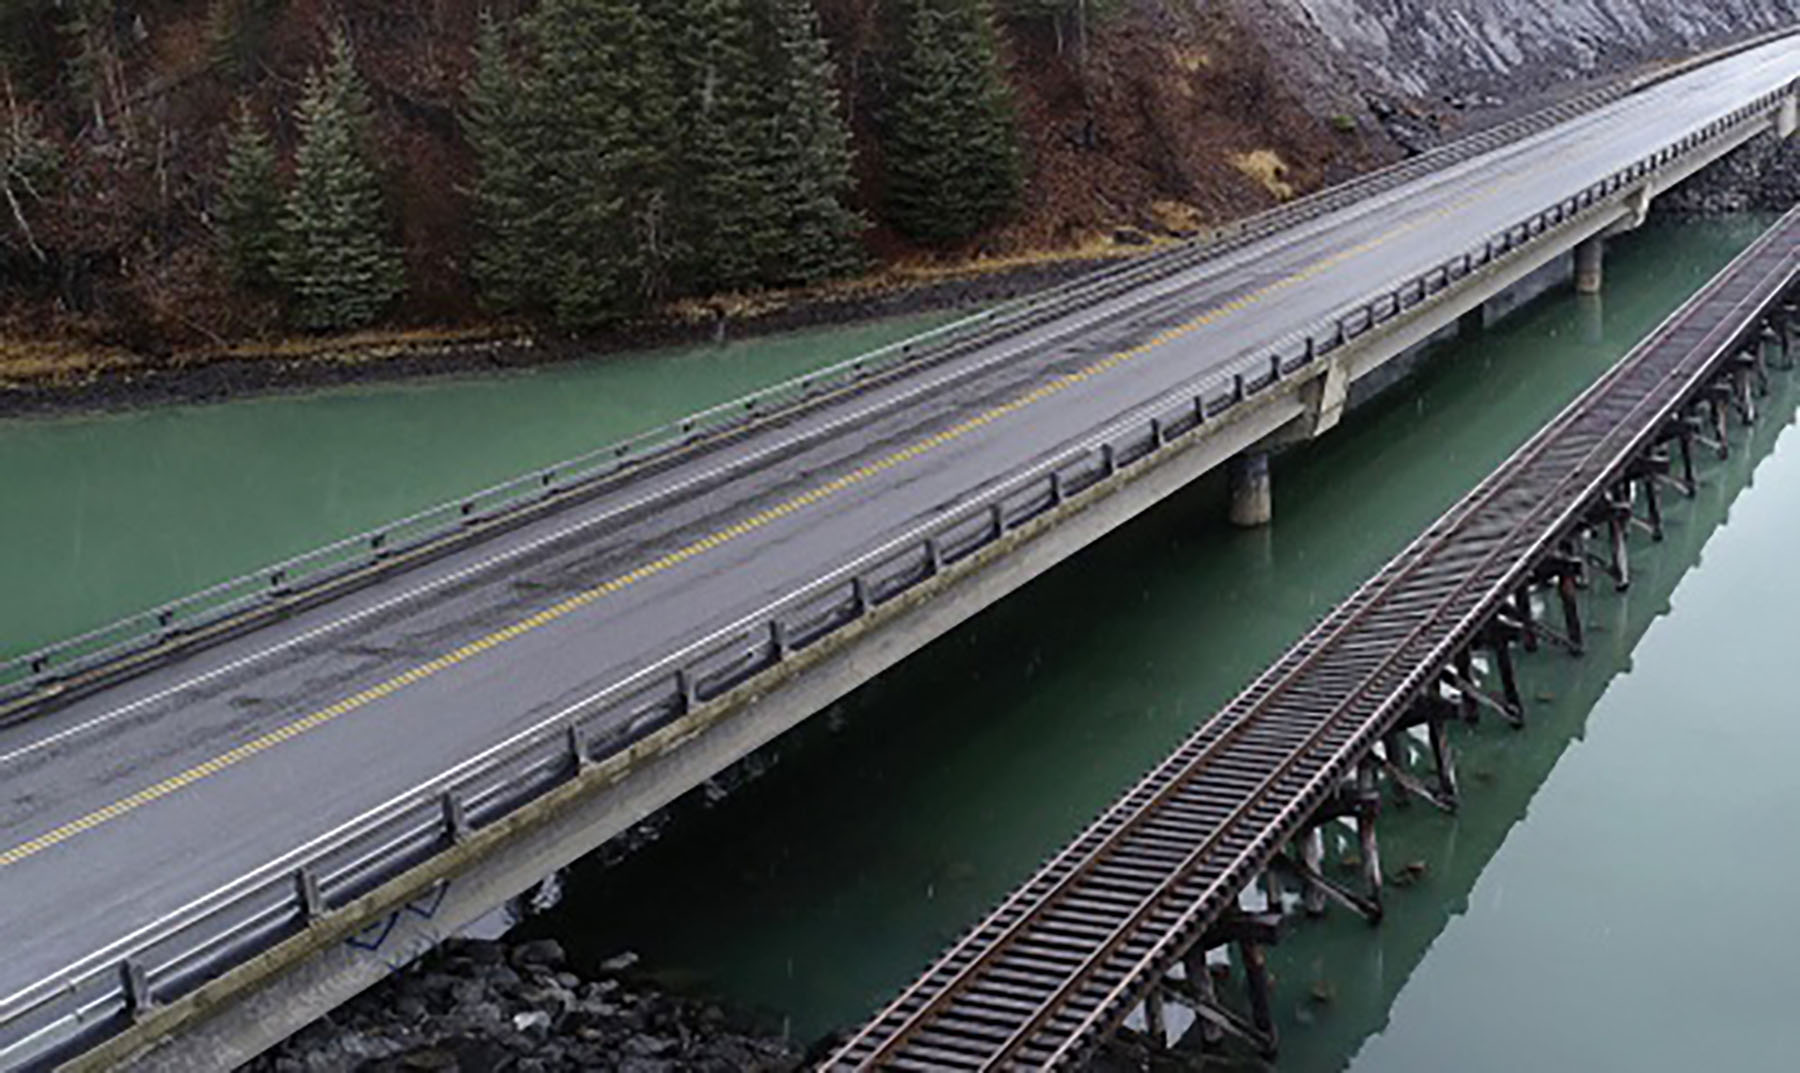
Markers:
{"x": 323, "y": 716}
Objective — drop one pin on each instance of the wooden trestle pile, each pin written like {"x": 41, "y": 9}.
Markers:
{"x": 1206, "y": 851}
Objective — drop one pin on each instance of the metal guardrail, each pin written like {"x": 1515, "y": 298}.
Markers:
{"x": 273, "y": 587}
{"x": 169, "y": 957}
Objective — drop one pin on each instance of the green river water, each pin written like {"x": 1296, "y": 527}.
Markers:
{"x": 1611, "y": 895}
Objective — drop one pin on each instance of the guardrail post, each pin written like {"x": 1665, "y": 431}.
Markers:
{"x": 1056, "y": 484}
{"x": 1109, "y": 459}
{"x": 684, "y": 684}
{"x": 136, "y": 984}
{"x": 456, "y": 817}
{"x": 859, "y": 596}
{"x": 778, "y": 639}
{"x": 934, "y": 557}
{"x": 998, "y": 512}
{"x": 307, "y": 893}
{"x": 579, "y": 757}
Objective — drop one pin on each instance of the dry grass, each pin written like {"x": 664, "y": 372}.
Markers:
{"x": 24, "y": 361}
{"x": 358, "y": 346}
{"x": 50, "y": 362}
{"x": 1191, "y": 60}
{"x": 1178, "y": 217}
{"x": 1267, "y": 168}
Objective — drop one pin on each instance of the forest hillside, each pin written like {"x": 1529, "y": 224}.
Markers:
{"x": 184, "y": 173}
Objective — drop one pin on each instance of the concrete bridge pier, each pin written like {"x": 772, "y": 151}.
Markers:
{"x": 1252, "y": 502}
{"x": 1590, "y": 265}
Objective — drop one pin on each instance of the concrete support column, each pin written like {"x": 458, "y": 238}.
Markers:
{"x": 1590, "y": 266}
{"x": 1788, "y": 119}
{"x": 1252, "y": 503}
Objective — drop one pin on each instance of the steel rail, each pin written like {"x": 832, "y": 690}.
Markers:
{"x": 1418, "y": 557}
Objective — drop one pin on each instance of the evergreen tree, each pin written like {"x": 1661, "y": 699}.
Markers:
{"x": 729, "y": 221}
{"x": 87, "y": 28}
{"x": 339, "y": 267}
{"x": 603, "y": 105}
{"x": 250, "y": 205}
{"x": 766, "y": 162}
{"x": 818, "y": 231}
{"x": 508, "y": 192}
{"x": 237, "y": 31}
{"x": 949, "y": 144}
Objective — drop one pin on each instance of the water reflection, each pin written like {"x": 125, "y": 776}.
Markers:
{"x": 1362, "y": 971}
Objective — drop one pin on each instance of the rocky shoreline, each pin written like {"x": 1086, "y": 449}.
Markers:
{"x": 480, "y": 1006}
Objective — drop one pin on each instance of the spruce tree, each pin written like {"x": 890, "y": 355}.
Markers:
{"x": 949, "y": 144}
{"x": 237, "y": 31}
{"x": 337, "y": 264}
{"x": 765, "y": 165}
{"x": 508, "y": 192}
{"x": 728, "y": 223}
{"x": 603, "y": 104}
{"x": 817, "y": 231}
{"x": 250, "y": 204}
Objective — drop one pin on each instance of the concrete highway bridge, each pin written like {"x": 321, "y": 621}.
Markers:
{"x": 229, "y": 814}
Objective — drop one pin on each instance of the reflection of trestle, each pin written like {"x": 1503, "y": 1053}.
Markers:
{"x": 1416, "y": 758}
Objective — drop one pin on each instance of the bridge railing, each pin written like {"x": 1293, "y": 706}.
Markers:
{"x": 274, "y": 587}
{"x": 171, "y": 956}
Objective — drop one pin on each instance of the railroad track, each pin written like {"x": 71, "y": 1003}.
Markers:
{"x": 1051, "y": 972}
